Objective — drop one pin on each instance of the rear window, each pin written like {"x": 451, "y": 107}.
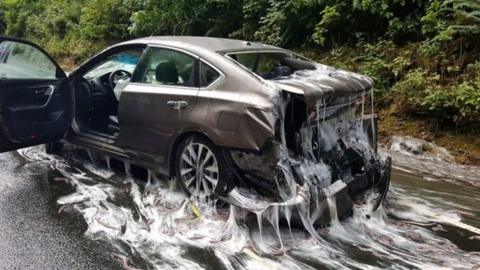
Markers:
{"x": 246, "y": 59}
{"x": 271, "y": 65}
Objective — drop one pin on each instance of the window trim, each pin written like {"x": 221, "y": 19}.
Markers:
{"x": 227, "y": 54}
{"x": 217, "y": 81}
{"x": 255, "y": 75}
{"x": 196, "y": 57}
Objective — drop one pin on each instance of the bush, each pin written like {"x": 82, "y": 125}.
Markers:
{"x": 106, "y": 19}
{"x": 425, "y": 50}
{"x": 460, "y": 102}
{"x": 410, "y": 90}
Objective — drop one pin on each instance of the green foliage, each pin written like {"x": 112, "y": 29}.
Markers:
{"x": 298, "y": 23}
{"x": 411, "y": 89}
{"x": 187, "y": 17}
{"x": 253, "y": 11}
{"x": 458, "y": 101}
{"x": 461, "y": 102}
{"x": 382, "y": 60}
{"x": 330, "y": 17}
{"x": 376, "y": 61}
{"x": 106, "y": 19}
{"x": 422, "y": 54}
{"x": 450, "y": 18}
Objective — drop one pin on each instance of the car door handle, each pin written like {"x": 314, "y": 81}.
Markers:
{"x": 47, "y": 90}
{"x": 45, "y": 94}
{"x": 177, "y": 104}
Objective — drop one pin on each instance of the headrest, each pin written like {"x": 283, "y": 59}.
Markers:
{"x": 298, "y": 64}
{"x": 281, "y": 71}
{"x": 166, "y": 73}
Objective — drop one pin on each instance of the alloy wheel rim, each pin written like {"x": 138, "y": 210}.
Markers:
{"x": 199, "y": 169}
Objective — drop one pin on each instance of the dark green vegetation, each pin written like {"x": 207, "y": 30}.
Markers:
{"x": 423, "y": 55}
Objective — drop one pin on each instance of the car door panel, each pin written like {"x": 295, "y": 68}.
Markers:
{"x": 33, "y": 109}
{"x": 155, "y": 107}
{"x": 148, "y": 124}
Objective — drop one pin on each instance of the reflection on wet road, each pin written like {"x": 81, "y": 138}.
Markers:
{"x": 32, "y": 234}
{"x": 425, "y": 224}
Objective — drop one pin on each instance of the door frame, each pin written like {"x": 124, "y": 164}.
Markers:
{"x": 79, "y": 135}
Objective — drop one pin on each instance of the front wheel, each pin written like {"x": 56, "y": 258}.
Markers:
{"x": 201, "y": 168}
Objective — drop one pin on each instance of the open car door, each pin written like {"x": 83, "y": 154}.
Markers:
{"x": 34, "y": 96}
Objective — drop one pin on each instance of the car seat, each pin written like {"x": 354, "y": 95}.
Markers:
{"x": 166, "y": 73}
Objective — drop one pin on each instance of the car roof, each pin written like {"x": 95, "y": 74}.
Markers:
{"x": 209, "y": 43}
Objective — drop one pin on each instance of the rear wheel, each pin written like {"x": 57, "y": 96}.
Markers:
{"x": 201, "y": 169}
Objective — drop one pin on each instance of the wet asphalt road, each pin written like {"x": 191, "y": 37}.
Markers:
{"x": 33, "y": 235}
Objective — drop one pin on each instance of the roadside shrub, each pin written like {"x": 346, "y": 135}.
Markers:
{"x": 448, "y": 19}
{"x": 384, "y": 61}
{"x": 460, "y": 103}
{"x": 411, "y": 89}
{"x": 106, "y": 19}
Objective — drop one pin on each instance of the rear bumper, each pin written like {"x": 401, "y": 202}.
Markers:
{"x": 376, "y": 178}
{"x": 314, "y": 208}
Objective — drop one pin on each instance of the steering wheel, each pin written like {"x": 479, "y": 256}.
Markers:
{"x": 118, "y": 75}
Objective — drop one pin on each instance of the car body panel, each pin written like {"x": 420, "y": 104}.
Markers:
{"x": 148, "y": 124}
{"x": 232, "y": 120}
{"x": 212, "y": 44}
{"x": 239, "y": 112}
{"x": 227, "y": 116}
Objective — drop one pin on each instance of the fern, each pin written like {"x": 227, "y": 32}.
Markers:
{"x": 457, "y": 17}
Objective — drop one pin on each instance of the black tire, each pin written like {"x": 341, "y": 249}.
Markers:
{"x": 225, "y": 173}
{"x": 53, "y": 148}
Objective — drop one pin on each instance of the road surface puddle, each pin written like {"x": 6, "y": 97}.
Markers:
{"x": 424, "y": 224}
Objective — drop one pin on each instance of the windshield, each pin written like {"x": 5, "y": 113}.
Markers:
{"x": 126, "y": 60}
{"x": 272, "y": 65}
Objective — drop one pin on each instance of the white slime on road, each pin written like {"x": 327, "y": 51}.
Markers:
{"x": 154, "y": 226}
{"x": 433, "y": 161}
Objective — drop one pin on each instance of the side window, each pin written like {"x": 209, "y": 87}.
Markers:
{"x": 23, "y": 61}
{"x": 207, "y": 75}
{"x": 167, "y": 67}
